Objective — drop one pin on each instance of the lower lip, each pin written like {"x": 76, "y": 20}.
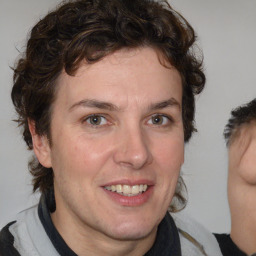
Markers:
{"x": 131, "y": 201}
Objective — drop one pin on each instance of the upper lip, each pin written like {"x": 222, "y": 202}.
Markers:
{"x": 129, "y": 182}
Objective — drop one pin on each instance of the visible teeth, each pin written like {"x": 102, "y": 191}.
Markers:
{"x": 135, "y": 189}
{"x": 127, "y": 190}
{"x": 119, "y": 189}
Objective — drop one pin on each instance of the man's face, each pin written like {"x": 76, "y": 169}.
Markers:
{"x": 117, "y": 145}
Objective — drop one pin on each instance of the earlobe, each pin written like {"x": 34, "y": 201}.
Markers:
{"x": 41, "y": 146}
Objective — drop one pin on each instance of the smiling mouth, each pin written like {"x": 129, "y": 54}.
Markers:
{"x": 127, "y": 190}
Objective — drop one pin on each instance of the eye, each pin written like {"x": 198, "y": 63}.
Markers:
{"x": 96, "y": 120}
{"x": 159, "y": 120}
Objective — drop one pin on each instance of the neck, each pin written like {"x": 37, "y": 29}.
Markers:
{"x": 87, "y": 241}
{"x": 242, "y": 203}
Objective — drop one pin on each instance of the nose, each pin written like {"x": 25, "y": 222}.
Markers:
{"x": 133, "y": 150}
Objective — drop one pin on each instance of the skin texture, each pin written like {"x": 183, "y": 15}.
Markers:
{"x": 242, "y": 188}
{"x": 138, "y": 139}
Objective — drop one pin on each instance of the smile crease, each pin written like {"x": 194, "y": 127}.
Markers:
{"x": 127, "y": 190}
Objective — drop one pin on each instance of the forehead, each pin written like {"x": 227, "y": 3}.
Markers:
{"x": 127, "y": 73}
{"x": 244, "y": 133}
{"x": 139, "y": 61}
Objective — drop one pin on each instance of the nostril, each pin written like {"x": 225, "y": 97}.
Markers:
{"x": 133, "y": 150}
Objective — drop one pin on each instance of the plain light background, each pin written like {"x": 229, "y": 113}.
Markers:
{"x": 227, "y": 35}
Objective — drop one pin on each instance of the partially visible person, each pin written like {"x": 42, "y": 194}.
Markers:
{"x": 240, "y": 135}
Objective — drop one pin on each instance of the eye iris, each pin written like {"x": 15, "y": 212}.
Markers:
{"x": 157, "y": 120}
{"x": 95, "y": 120}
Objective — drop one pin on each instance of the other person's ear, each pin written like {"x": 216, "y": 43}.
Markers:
{"x": 242, "y": 155}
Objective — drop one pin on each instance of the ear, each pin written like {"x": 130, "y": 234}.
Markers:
{"x": 41, "y": 146}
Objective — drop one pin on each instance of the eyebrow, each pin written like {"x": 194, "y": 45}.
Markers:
{"x": 164, "y": 104}
{"x": 91, "y": 103}
{"x": 95, "y": 104}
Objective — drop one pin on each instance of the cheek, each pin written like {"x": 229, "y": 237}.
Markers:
{"x": 170, "y": 153}
{"x": 76, "y": 156}
{"x": 169, "y": 159}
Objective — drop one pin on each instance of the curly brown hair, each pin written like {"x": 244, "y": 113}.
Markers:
{"x": 240, "y": 116}
{"x": 89, "y": 30}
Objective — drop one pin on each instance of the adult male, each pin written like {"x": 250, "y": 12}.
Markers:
{"x": 240, "y": 135}
{"x": 105, "y": 95}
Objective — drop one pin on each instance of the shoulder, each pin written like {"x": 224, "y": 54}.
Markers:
{"x": 195, "y": 238}
{"x": 26, "y": 236}
{"x": 15, "y": 237}
{"x": 222, "y": 238}
{"x": 228, "y": 247}
{"x": 7, "y": 241}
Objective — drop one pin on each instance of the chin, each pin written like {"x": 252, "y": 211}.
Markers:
{"x": 132, "y": 230}
{"x": 130, "y": 235}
